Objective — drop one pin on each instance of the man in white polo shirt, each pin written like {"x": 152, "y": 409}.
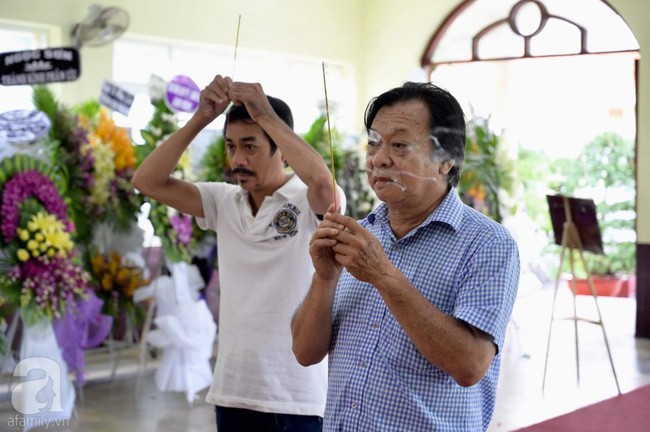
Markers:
{"x": 264, "y": 225}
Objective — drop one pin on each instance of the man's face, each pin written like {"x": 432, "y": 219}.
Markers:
{"x": 249, "y": 152}
{"x": 400, "y": 165}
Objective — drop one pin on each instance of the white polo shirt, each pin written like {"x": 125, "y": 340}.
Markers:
{"x": 264, "y": 272}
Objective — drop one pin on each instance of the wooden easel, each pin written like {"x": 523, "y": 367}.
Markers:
{"x": 571, "y": 241}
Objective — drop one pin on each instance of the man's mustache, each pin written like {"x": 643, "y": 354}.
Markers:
{"x": 242, "y": 170}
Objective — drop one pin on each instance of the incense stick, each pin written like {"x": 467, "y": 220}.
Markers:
{"x": 234, "y": 60}
{"x": 329, "y": 134}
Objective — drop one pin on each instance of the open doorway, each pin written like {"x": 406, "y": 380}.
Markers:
{"x": 554, "y": 118}
{"x": 559, "y": 93}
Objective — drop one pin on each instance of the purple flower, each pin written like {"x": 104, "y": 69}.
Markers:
{"x": 182, "y": 224}
{"x": 50, "y": 284}
{"x": 18, "y": 189}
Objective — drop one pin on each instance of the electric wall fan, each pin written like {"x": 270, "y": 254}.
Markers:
{"x": 101, "y": 26}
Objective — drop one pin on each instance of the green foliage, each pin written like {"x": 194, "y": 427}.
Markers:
{"x": 532, "y": 169}
{"x": 488, "y": 175}
{"x": 64, "y": 152}
{"x": 318, "y": 137}
{"x": 604, "y": 170}
{"x": 349, "y": 170}
{"x": 89, "y": 109}
{"x": 162, "y": 124}
{"x": 174, "y": 250}
{"x": 214, "y": 163}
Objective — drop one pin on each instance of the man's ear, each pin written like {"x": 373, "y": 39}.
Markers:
{"x": 445, "y": 167}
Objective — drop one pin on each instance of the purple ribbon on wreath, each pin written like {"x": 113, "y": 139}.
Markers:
{"x": 82, "y": 328}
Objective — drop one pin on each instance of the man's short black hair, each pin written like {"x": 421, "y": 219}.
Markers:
{"x": 239, "y": 113}
{"x": 446, "y": 118}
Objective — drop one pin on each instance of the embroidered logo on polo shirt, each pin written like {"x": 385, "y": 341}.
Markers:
{"x": 285, "y": 221}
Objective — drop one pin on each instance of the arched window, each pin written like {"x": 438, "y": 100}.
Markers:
{"x": 501, "y": 30}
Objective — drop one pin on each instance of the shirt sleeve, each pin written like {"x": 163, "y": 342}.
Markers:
{"x": 209, "y": 194}
{"x": 487, "y": 296}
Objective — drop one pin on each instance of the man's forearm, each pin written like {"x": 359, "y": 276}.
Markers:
{"x": 155, "y": 170}
{"x": 304, "y": 160}
{"x": 311, "y": 325}
{"x": 448, "y": 343}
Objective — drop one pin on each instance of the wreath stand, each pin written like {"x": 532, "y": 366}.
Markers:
{"x": 571, "y": 240}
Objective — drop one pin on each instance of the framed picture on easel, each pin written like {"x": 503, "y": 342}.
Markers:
{"x": 582, "y": 213}
{"x": 575, "y": 226}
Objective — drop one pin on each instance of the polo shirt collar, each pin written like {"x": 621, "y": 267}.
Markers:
{"x": 286, "y": 190}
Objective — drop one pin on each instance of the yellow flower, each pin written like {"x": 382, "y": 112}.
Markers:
{"x": 103, "y": 173}
{"x": 59, "y": 240}
{"x": 44, "y": 222}
{"x": 49, "y": 234}
{"x": 23, "y": 255}
{"x": 23, "y": 234}
{"x": 84, "y": 121}
{"x": 97, "y": 262}
{"x": 185, "y": 162}
{"x": 107, "y": 282}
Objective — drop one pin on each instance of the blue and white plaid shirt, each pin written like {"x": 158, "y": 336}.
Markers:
{"x": 466, "y": 265}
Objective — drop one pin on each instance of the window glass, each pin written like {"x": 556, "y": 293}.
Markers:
{"x": 18, "y": 39}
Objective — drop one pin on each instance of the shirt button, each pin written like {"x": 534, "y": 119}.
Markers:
{"x": 374, "y": 325}
{"x": 355, "y": 405}
{"x": 362, "y": 364}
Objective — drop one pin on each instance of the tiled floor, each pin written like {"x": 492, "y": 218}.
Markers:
{"x": 130, "y": 402}
{"x": 520, "y": 400}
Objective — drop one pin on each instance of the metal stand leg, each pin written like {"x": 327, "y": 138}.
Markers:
{"x": 568, "y": 238}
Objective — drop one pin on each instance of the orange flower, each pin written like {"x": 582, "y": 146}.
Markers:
{"x": 118, "y": 139}
{"x": 477, "y": 192}
{"x": 114, "y": 276}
